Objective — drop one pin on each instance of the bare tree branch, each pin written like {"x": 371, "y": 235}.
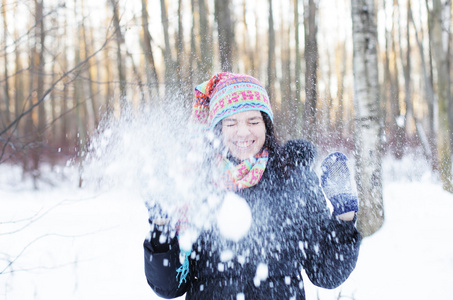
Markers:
{"x": 47, "y": 92}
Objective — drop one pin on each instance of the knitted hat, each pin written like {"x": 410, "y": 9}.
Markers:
{"x": 226, "y": 94}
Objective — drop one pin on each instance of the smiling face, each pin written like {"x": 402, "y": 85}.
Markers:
{"x": 244, "y": 133}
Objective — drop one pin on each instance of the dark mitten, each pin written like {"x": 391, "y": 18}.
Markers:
{"x": 336, "y": 183}
{"x": 155, "y": 212}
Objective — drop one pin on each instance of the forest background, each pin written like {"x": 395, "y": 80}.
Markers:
{"x": 67, "y": 65}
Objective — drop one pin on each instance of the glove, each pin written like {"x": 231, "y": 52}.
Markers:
{"x": 155, "y": 213}
{"x": 336, "y": 183}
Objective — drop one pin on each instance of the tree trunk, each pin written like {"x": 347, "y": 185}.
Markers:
{"x": 167, "y": 52}
{"x": 40, "y": 34}
{"x": 324, "y": 116}
{"x": 248, "y": 57}
{"x": 297, "y": 73}
{"x": 64, "y": 138}
{"x": 311, "y": 69}
{"x": 95, "y": 76}
{"x": 108, "y": 77}
{"x": 258, "y": 58}
{"x": 225, "y": 34}
{"x": 391, "y": 90}
{"x": 367, "y": 115}
{"x": 137, "y": 75}
{"x": 90, "y": 70}
{"x": 430, "y": 102}
{"x": 19, "y": 95}
{"x": 271, "y": 72}
{"x": 407, "y": 70}
{"x": 440, "y": 48}
{"x": 398, "y": 120}
{"x": 184, "y": 84}
{"x": 151, "y": 72}
{"x": 340, "y": 69}
{"x": 194, "y": 58}
{"x": 206, "y": 50}
{"x": 19, "y": 84}
{"x": 119, "y": 55}
{"x": 287, "y": 103}
{"x": 79, "y": 104}
{"x": 29, "y": 130}
{"x": 257, "y": 50}
{"x": 7, "y": 113}
{"x": 55, "y": 128}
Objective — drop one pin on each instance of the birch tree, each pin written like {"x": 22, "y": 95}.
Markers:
{"x": 368, "y": 116}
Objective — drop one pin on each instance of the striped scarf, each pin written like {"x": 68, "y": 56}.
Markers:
{"x": 246, "y": 174}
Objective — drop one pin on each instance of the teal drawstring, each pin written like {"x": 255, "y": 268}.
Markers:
{"x": 183, "y": 270}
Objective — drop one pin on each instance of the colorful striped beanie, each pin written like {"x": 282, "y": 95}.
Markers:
{"x": 226, "y": 94}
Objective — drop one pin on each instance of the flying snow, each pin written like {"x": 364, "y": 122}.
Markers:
{"x": 262, "y": 272}
{"x": 234, "y": 218}
{"x": 153, "y": 152}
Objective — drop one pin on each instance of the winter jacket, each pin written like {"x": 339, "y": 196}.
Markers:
{"x": 292, "y": 229}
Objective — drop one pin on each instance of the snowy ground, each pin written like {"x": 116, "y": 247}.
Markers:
{"x": 66, "y": 243}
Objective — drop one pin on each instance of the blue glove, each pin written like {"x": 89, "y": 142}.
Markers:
{"x": 336, "y": 183}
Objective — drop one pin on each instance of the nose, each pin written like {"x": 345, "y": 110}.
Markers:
{"x": 243, "y": 129}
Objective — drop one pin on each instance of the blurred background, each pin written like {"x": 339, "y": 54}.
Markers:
{"x": 65, "y": 65}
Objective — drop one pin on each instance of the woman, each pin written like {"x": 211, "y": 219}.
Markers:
{"x": 292, "y": 228}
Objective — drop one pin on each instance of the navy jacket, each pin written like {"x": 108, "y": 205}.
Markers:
{"x": 292, "y": 229}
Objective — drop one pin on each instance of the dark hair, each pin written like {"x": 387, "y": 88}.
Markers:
{"x": 271, "y": 142}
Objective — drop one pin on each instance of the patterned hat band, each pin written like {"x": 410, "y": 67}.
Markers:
{"x": 238, "y": 95}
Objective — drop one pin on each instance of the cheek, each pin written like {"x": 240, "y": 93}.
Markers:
{"x": 260, "y": 133}
{"x": 226, "y": 136}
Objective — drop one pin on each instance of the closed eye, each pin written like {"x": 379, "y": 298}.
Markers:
{"x": 255, "y": 122}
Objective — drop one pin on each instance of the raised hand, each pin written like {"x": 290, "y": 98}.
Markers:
{"x": 337, "y": 186}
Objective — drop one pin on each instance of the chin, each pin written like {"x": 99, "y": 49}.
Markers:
{"x": 243, "y": 156}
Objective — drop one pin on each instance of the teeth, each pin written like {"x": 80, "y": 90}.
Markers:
{"x": 244, "y": 144}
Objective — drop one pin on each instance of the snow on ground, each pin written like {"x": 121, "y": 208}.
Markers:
{"x": 67, "y": 243}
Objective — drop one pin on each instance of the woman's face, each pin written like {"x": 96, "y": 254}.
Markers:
{"x": 244, "y": 133}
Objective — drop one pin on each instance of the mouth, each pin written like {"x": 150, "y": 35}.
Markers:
{"x": 243, "y": 144}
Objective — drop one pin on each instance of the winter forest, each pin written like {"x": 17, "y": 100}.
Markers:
{"x": 95, "y": 94}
